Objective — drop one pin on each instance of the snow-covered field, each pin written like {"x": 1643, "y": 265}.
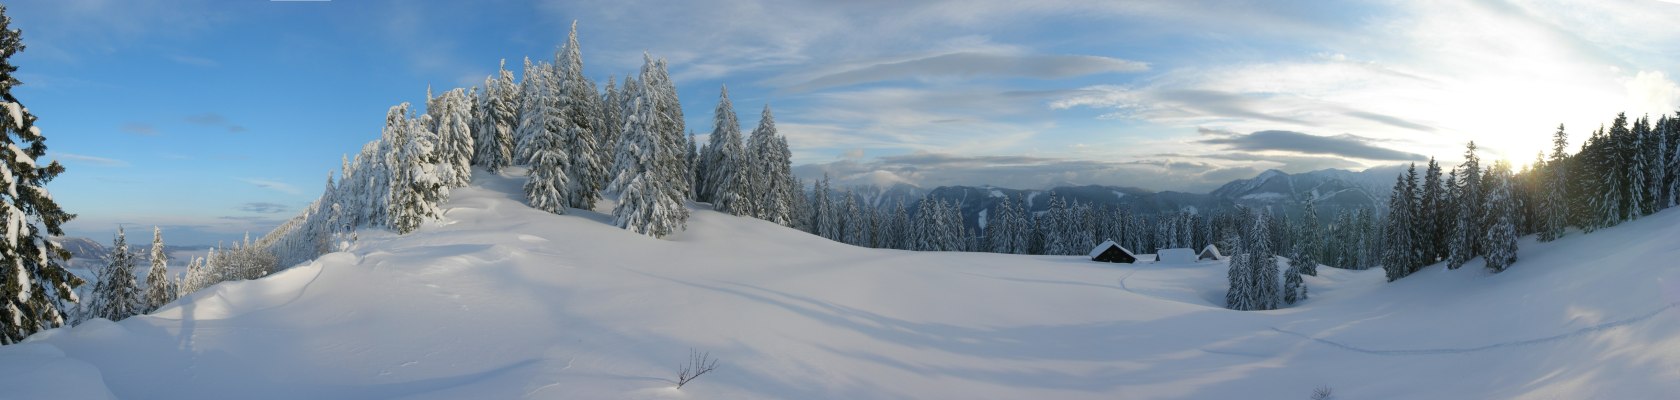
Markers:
{"x": 498, "y": 300}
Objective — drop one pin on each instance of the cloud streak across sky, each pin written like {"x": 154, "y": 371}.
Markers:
{"x": 1088, "y": 92}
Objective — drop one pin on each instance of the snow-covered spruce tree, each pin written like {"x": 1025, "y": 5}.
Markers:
{"x": 695, "y": 167}
{"x": 35, "y": 289}
{"x": 1263, "y": 263}
{"x": 1637, "y": 168}
{"x": 1000, "y": 226}
{"x": 1431, "y": 197}
{"x": 648, "y": 161}
{"x": 194, "y": 280}
{"x": 1467, "y": 226}
{"x": 1294, "y": 288}
{"x": 1501, "y": 234}
{"x": 417, "y": 187}
{"x": 498, "y": 116}
{"x": 769, "y": 164}
{"x": 160, "y": 289}
{"x": 1555, "y": 209}
{"x": 1308, "y": 246}
{"x": 1397, "y": 232}
{"x": 117, "y": 295}
{"x": 537, "y": 98}
{"x": 451, "y": 123}
{"x": 1240, "y": 272}
{"x": 579, "y": 106}
{"x": 857, "y": 221}
{"x": 548, "y": 186}
{"x": 723, "y": 156}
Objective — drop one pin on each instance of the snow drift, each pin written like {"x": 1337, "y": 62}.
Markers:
{"x": 498, "y": 300}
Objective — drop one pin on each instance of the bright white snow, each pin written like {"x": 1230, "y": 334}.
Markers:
{"x": 498, "y": 300}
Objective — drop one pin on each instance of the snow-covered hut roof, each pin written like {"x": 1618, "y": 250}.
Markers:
{"x": 1210, "y": 252}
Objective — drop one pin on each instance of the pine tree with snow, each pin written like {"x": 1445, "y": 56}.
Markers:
{"x": 579, "y": 108}
{"x": 1263, "y": 263}
{"x": 1501, "y": 234}
{"x": 160, "y": 290}
{"x": 118, "y": 294}
{"x": 1635, "y": 167}
{"x": 548, "y": 186}
{"x": 1294, "y": 287}
{"x": 692, "y": 159}
{"x": 1431, "y": 199}
{"x": 194, "y": 280}
{"x": 857, "y": 222}
{"x": 34, "y": 286}
{"x": 1467, "y": 226}
{"x": 451, "y": 124}
{"x": 1555, "y": 209}
{"x": 499, "y": 113}
{"x": 1240, "y": 272}
{"x": 417, "y": 186}
{"x": 1397, "y": 232}
{"x": 1000, "y": 227}
{"x": 648, "y": 163}
{"x": 537, "y": 98}
{"x": 1309, "y": 245}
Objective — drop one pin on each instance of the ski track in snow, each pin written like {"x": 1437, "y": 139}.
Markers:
{"x": 1463, "y": 350}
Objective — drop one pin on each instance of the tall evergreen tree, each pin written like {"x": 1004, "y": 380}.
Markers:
{"x": 1431, "y": 199}
{"x": 1467, "y": 227}
{"x": 1309, "y": 245}
{"x": 648, "y": 164}
{"x": 1397, "y": 232}
{"x": 451, "y": 124}
{"x": 1263, "y": 263}
{"x": 498, "y": 109}
{"x": 1633, "y": 148}
{"x": 417, "y": 189}
{"x": 35, "y": 288}
{"x": 1240, "y": 294}
{"x": 160, "y": 290}
{"x": 725, "y": 155}
{"x": 579, "y": 109}
{"x": 537, "y": 114}
{"x": 1501, "y": 234}
{"x": 1555, "y": 209}
{"x": 549, "y": 186}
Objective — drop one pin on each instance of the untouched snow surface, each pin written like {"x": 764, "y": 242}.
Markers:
{"x": 498, "y": 300}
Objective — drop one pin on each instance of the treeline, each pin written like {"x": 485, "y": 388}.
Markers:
{"x": 117, "y": 292}
{"x": 1624, "y": 171}
{"x": 576, "y": 142}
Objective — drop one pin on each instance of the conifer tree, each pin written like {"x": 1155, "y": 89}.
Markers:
{"x": 451, "y": 124}
{"x": 1397, "y": 232}
{"x": 1431, "y": 199}
{"x": 1263, "y": 263}
{"x": 35, "y": 288}
{"x": 537, "y": 98}
{"x": 117, "y": 295}
{"x": 1240, "y": 272}
{"x": 1294, "y": 287}
{"x": 417, "y": 188}
{"x": 648, "y": 163}
{"x": 725, "y": 155}
{"x": 1555, "y": 209}
{"x": 1467, "y": 227}
{"x": 1501, "y": 234}
{"x": 548, "y": 187}
{"x": 579, "y": 110}
{"x": 498, "y": 109}
{"x": 1309, "y": 246}
{"x": 857, "y": 223}
{"x": 160, "y": 290}
{"x": 1633, "y": 148}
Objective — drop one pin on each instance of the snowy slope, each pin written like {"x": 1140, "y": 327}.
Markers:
{"x": 501, "y": 301}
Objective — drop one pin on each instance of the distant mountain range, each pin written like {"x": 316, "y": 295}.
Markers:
{"x": 1281, "y": 192}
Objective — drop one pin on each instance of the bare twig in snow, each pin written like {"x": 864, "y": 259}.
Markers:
{"x": 699, "y": 363}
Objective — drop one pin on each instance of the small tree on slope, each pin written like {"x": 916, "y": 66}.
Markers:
{"x": 160, "y": 289}
{"x": 117, "y": 295}
{"x": 34, "y": 287}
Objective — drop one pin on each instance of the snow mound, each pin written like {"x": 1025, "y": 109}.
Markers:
{"x": 498, "y": 300}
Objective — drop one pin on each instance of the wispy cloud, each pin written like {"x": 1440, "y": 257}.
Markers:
{"x": 214, "y": 120}
{"x": 1341, "y": 145}
{"x": 139, "y": 128}
{"x": 195, "y": 61}
{"x": 929, "y": 169}
{"x": 277, "y": 186}
{"x": 87, "y": 159}
{"x": 263, "y": 207}
{"x": 972, "y": 65}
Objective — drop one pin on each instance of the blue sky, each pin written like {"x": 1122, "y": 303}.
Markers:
{"x": 212, "y": 118}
